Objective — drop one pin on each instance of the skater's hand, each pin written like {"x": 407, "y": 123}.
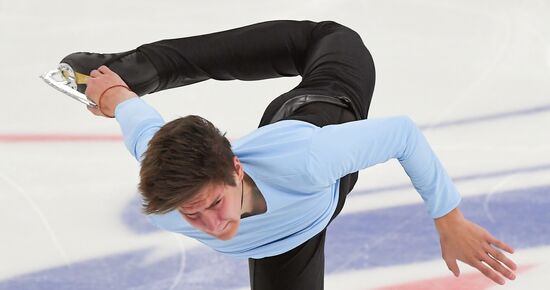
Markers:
{"x": 466, "y": 241}
{"x": 100, "y": 80}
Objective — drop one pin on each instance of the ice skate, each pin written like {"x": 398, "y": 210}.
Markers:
{"x": 72, "y": 73}
{"x": 64, "y": 80}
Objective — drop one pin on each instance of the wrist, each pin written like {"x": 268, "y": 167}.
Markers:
{"x": 449, "y": 220}
{"x": 113, "y": 98}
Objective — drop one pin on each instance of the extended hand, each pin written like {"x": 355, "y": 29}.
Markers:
{"x": 102, "y": 81}
{"x": 466, "y": 241}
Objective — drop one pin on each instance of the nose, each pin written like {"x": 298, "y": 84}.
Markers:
{"x": 211, "y": 222}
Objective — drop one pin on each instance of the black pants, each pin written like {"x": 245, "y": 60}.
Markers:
{"x": 337, "y": 85}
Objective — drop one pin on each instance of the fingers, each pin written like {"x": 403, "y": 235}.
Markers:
{"x": 104, "y": 69}
{"x": 494, "y": 258}
{"x": 453, "y": 267}
{"x": 499, "y": 256}
{"x": 95, "y": 73}
{"x": 95, "y": 111}
{"x": 488, "y": 272}
{"x": 99, "y": 71}
{"x": 501, "y": 245}
{"x": 497, "y": 266}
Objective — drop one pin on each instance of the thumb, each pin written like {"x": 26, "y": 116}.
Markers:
{"x": 94, "y": 111}
{"x": 453, "y": 267}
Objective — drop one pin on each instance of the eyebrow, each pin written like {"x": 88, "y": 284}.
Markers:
{"x": 210, "y": 206}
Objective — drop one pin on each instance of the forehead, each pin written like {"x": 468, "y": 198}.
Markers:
{"x": 203, "y": 198}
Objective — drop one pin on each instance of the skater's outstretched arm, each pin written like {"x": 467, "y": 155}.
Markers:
{"x": 336, "y": 150}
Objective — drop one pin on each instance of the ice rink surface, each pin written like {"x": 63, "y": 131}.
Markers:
{"x": 474, "y": 75}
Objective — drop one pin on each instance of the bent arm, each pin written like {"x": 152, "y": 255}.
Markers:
{"x": 138, "y": 122}
{"x": 337, "y": 150}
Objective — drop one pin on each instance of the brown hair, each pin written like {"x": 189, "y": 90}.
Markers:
{"x": 183, "y": 156}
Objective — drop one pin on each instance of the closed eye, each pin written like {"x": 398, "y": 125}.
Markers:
{"x": 216, "y": 203}
{"x": 191, "y": 216}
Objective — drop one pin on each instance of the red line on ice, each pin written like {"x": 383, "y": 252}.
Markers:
{"x": 37, "y": 138}
{"x": 469, "y": 281}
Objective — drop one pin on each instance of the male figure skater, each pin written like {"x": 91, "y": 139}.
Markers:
{"x": 271, "y": 195}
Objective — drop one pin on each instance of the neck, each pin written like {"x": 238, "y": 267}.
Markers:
{"x": 247, "y": 200}
{"x": 252, "y": 201}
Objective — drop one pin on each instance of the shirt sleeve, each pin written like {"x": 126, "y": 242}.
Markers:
{"x": 337, "y": 150}
{"x": 138, "y": 122}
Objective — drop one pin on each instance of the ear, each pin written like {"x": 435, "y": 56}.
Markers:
{"x": 238, "y": 167}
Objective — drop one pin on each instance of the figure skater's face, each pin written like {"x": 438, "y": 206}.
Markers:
{"x": 216, "y": 210}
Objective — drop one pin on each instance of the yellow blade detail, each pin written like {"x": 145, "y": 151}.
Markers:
{"x": 81, "y": 78}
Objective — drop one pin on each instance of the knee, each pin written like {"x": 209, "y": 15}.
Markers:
{"x": 329, "y": 27}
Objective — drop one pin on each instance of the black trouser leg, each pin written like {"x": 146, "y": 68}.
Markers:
{"x": 300, "y": 268}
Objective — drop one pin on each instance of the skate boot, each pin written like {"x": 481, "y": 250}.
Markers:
{"x": 72, "y": 73}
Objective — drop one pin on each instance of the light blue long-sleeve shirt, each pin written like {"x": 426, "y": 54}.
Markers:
{"x": 297, "y": 167}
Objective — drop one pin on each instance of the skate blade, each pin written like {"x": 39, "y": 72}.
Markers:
{"x": 64, "y": 80}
